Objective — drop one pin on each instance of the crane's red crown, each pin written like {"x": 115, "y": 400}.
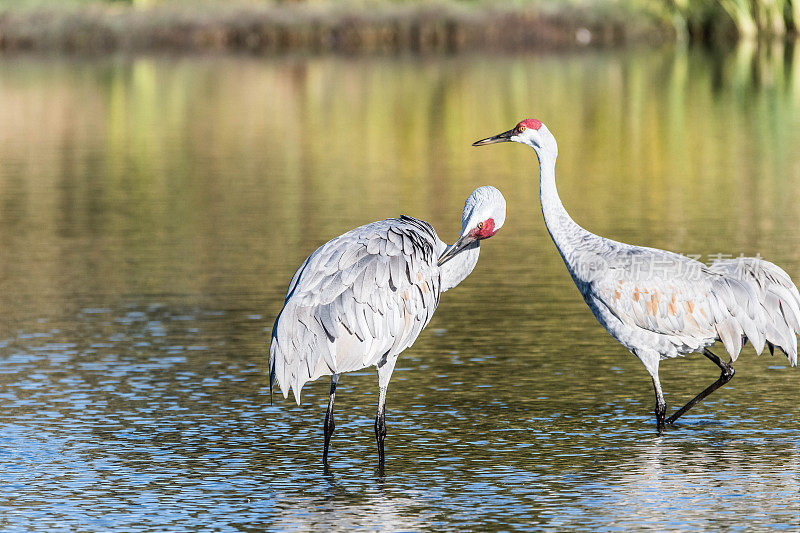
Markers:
{"x": 484, "y": 230}
{"x": 528, "y": 123}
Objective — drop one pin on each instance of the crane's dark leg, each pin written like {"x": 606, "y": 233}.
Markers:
{"x": 329, "y": 425}
{"x": 271, "y": 376}
{"x": 270, "y": 389}
{"x": 725, "y": 376}
{"x": 384, "y": 374}
{"x": 380, "y": 424}
{"x": 661, "y": 405}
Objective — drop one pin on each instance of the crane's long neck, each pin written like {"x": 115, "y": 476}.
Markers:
{"x": 460, "y": 266}
{"x": 566, "y": 234}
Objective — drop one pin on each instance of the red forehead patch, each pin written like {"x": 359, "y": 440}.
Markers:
{"x": 530, "y": 123}
{"x": 487, "y": 230}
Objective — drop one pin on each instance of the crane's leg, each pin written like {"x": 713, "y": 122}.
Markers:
{"x": 380, "y": 423}
{"x": 650, "y": 360}
{"x": 271, "y": 373}
{"x": 725, "y": 376}
{"x": 384, "y": 374}
{"x": 329, "y": 425}
{"x": 661, "y": 404}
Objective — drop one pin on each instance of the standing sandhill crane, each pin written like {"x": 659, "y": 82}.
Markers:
{"x": 362, "y": 298}
{"x": 659, "y": 304}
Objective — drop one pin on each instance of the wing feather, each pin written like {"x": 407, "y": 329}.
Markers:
{"x": 358, "y": 298}
{"x": 690, "y": 305}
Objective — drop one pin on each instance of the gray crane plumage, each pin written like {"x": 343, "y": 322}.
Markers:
{"x": 362, "y": 298}
{"x": 359, "y": 298}
{"x": 659, "y": 304}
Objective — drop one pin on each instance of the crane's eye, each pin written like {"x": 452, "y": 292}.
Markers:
{"x": 480, "y": 225}
{"x": 520, "y": 128}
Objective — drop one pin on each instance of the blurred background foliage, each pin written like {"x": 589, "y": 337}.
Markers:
{"x": 266, "y": 26}
{"x": 745, "y": 18}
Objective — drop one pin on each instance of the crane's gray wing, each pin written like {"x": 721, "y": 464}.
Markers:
{"x": 692, "y": 304}
{"x": 359, "y": 298}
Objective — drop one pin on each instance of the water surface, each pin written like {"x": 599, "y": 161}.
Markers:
{"x": 153, "y": 210}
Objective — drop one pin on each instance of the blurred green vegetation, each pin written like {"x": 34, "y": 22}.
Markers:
{"x": 323, "y": 25}
{"x": 701, "y": 19}
{"x": 267, "y": 26}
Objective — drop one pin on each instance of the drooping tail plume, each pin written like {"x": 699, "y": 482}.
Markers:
{"x": 775, "y": 311}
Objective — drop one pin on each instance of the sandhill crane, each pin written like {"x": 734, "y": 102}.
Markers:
{"x": 659, "y": 304}
{"x": 362, "y": 298}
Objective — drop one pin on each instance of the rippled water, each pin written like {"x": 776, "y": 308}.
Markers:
{"x": 152, "y": 211}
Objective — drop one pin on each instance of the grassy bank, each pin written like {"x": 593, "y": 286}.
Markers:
{"x": 275, "y": 27}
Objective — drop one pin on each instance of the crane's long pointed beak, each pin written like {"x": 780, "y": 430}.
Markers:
{"x": 460, "y": 244}
{"x": 499, "y": 138}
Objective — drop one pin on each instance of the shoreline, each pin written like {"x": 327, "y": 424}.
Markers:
{"x": 295, "y": 27}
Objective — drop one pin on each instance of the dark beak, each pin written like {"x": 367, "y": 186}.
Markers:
{"x": 499, "y": 138}
{"x": 459, "y": 245}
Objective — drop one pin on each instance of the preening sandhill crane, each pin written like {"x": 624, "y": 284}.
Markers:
{"x": 362, "y": 298}
{"x": 660, "y": 304}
